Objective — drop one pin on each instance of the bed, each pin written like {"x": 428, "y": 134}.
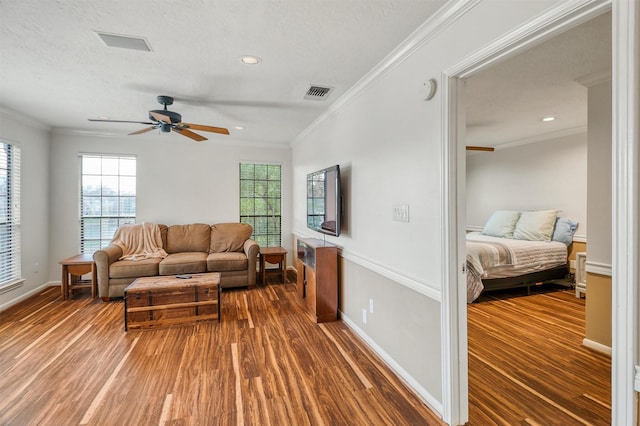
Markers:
{"x": 517, "y": 249}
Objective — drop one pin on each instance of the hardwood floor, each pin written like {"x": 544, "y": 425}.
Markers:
{"x": 527, "y": 364}
{"x": 265, "y": 363}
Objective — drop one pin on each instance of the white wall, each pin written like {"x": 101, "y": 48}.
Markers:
{"x": 389, "y": 143}
{"x": 178, "y": 181}
{"x": 33, "y": 140}
{"x": 599, "y": 174}
{"x": 550, "y": 174}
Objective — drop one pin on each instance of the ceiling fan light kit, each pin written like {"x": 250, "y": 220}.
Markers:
{"x": 167, "y": 121}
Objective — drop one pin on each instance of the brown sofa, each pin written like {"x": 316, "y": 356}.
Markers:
{"x": 193, "y": 248}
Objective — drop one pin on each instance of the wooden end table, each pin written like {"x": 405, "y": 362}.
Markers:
{"x": 273, "y": 255}
{"x": 75, "y": 267}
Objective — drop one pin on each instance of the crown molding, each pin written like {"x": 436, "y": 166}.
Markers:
{"x": 67, "y": 131}
{"x": 24, "y": 119}
{"x": 544, "y": 137}
{"x": 445, "y": 16}
{"x": 595, "y": 78}
{"x": 534, "y": 32}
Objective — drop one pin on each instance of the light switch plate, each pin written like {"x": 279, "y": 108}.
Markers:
{"x": 401, "y": 212}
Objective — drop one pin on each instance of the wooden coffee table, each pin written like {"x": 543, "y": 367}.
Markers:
{"x": 154, "y": 302}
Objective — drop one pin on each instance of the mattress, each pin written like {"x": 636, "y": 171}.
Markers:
{"x": 494, "y": 257}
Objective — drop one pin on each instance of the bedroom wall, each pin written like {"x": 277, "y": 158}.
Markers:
{"x": 549, "y": 174}
{"x": 388, "y": 140}
{"x": 178, "y": 181}
{"x": 599, "y": 208}
{"x": 33, "y": 139}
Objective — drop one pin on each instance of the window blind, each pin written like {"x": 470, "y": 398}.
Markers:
{"x": 10, "y": 257}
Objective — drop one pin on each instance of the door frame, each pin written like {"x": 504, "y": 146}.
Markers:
{"x": 625, "y": 196}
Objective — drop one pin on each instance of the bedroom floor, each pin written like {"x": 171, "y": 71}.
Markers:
{"x": 527, "y": 364}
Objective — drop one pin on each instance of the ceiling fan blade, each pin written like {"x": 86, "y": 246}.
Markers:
{"x": 160, "y": 117}
{"x": 481, "y": 148}
{"x": 189, "y": 134}
{"x": 120, "y": 121}
{"x": 145, "y": 130}
{"x": 204, "y": 128}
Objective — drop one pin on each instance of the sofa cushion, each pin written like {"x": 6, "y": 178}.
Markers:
{"x": 227, "y": 261}
{"x": 134, "y": 268}
{"x": 163, "y": 235}
{"x": 183, "y": 263}
{"x": 227, "y": 237}
{"x": 192, "y": 237}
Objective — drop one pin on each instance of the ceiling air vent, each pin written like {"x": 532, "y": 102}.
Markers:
{"x": 124, "y": 42}
{"x": 318, "y": 93}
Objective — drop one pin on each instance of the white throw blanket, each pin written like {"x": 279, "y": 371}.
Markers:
{"x": 139, "y": 241}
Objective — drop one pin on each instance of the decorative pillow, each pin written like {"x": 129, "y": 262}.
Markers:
{"x": 564, "y": 230}
{"x": 501, "y": 223}
{"x": 227, "y": 237}
{"x": 535, "y": 225}
{"x": 186, "y": 238}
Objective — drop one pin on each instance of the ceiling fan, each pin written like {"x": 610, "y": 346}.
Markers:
{"x": 480, "y": 148}
{"x": 168, "y": 121}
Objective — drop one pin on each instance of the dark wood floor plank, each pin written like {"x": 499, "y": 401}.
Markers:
{"x": 71, "y": 362}
{"x": 527, "y": 362}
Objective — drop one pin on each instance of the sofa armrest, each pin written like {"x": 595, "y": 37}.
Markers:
{"x": 251, "y": 250}
{"x": 104, "y": 258}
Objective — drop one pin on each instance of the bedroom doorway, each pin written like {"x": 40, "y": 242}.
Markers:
{"x": 555, "y": 21}
{"x": 536, "y": 165}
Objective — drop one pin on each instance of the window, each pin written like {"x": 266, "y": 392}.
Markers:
{"x": 260, "y": 201}
{"x": 107, "y": 198}
{"x": 10, "y": 270}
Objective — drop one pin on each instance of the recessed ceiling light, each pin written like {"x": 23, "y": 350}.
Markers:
{"x": 548, "y": 118}
{"x": 249, "y": 60}
{"x": 238, "y": 127}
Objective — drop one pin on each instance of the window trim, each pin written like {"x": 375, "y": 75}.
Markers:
{"x": 125, "y": 219}
{"x": 278, "y": 216}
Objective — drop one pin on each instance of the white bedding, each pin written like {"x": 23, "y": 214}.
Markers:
{"x": 494, "y": 257}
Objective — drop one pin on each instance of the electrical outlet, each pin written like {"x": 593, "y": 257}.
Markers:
{"x": 370, "y": 305}
{"x": 364, "y": 316}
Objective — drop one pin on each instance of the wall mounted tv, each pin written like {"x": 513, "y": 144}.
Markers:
{"x": 324, "y": 203}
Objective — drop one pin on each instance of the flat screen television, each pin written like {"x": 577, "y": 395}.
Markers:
{"x": 324, "y": 203}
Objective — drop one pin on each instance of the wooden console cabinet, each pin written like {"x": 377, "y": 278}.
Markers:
{"x": 317, "y": 264}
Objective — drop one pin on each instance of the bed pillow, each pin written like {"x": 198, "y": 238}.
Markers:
{"x": 535, "y": 225}
{"x": 564, "y": 230}
{"x": 501, "y": 223}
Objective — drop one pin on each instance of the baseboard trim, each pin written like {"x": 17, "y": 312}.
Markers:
{"x": 427, "y": 398}
{"x": 595, "y": 346}
{"x": 26, "y": 295}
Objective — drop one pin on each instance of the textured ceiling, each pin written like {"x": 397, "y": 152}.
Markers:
{"x": 55, "y": 68}
{"x": 506, "y": 102}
